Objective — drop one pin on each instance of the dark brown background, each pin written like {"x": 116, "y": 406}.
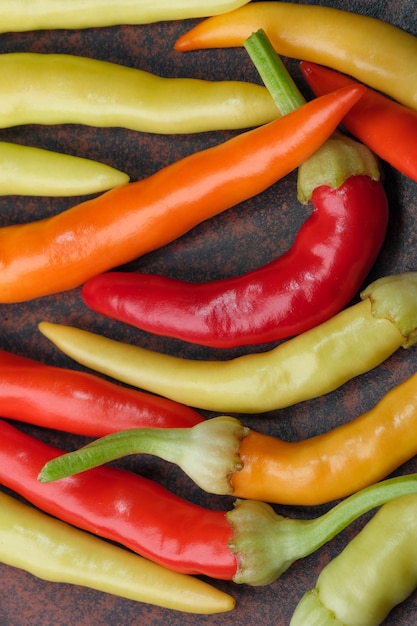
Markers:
{"x": 241, "y": 239}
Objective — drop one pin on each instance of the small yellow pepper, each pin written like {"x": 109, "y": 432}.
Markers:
{"x": 30, "y": 171}
{"x": 307, "y": 366}
{"x": 53, "y": 550}
{"x": 62, "y": 88}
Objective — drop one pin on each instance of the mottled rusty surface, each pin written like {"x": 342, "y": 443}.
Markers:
{"x": 240, "y": 239}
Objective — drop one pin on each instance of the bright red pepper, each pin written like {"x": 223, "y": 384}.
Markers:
{"x": 250, "y": 544}
{"x": 323, "y": 270}
{"x": 387, "y": 127}
{"x": 80, "y": 402}
{"x": 326, "y": 266}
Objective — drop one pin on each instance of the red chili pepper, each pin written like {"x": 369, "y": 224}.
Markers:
{"x": 250, "y": 544}
{"x": 387, "y": 127}
{"x": 324, "y": 269}
{"x": 317, "y": 277}
{"x": 80, "y": 402}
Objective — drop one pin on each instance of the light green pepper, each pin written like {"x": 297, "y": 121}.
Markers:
{"x": 30, "y": 171}
{"x": 376, "y": 571}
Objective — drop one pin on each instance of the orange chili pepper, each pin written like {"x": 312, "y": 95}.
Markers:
{"x": 222, "y": 456}
{"x": 63, "y": 251}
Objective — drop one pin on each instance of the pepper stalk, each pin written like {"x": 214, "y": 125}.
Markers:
{"x": 340, "y": 157}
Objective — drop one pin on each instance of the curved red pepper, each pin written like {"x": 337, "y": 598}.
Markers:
{"x": 80, "y": 402}
{"x": 323, "y": 270}
{"x": 388, "y": 128}
{"x": 123, "y": 507}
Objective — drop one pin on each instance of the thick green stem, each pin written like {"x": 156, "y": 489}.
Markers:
{"x": 339, "y": 157}
{"x": 273, "y": 72}
{"x": 267, "y": 544}
{"x": 208, "y": 452}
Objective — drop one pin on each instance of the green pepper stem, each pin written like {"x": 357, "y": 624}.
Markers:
{"x": 267, "y": 544}
{"x": 207, "y": 452}
{"x": 273, "y": 72}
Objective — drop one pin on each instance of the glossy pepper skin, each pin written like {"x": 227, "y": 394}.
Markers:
{"x": 337, "y": 245}
{"x": 375, "y": 572}
{"x": 56, "y": 14}
{"x": 387, "y": 127}
{"x": 309, "y": 365}
{"x": 38, "y": 88}
{"x": 373, "y": 51}
{"x": 224, "y": 457}
{"x": 29, "y": 171}
{"x": 63, "y": 251}
{"x": 80, "y": 402}
{"x": 249, "y": 544}
{"x": 58, "y": 552}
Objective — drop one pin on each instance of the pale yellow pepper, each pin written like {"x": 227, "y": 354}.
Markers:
{"x": 376, "y": 571}
{"x": 53, "y": 550}
{"x": 68, "y": 89}
{"x": 46, "y": 14}
{"x": 30, "y": 171}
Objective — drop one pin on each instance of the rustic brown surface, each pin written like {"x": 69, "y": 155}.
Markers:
{"x": 238, "y": 240}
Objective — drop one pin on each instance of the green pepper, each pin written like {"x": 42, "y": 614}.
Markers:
{"x": 376, "y": 571}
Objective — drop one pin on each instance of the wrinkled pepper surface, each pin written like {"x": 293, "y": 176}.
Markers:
{"x": 320, "y": 274}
